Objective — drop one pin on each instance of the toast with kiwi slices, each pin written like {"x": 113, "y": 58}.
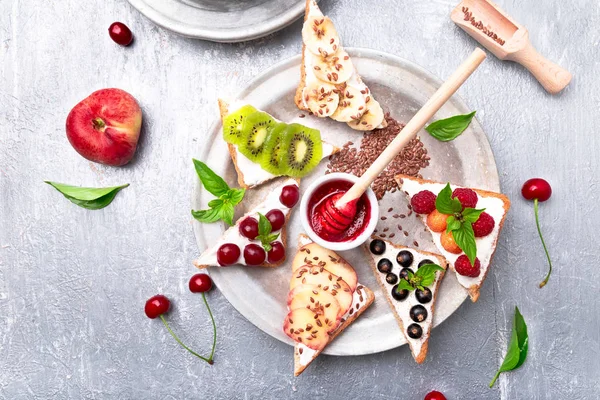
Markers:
{"x": 263, "y": 148}
{"x": 325, "y": 298}
{"x": 329, "y": 85}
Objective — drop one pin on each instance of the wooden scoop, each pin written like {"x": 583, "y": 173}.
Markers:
{"x": 411, "y": 129}
{"x": 506, "y": 39}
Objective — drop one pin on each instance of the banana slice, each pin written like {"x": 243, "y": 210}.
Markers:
{"x": 371, "y": 119}
{"x": 351, "y": 106}
{"x": 320, "y": 37}
{"x": 335, "y": 69}
{"x": 321, "y": 98}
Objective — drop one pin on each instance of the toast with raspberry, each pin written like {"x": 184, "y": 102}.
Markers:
{"x": 485, "y": 226}
{"x": 413, "y": 308}
{"x": 239, "y": 244}
{"x": 325, "y": 298}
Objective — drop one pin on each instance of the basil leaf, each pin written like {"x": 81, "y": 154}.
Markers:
{"x": 215, "y": 203}
{"x": 211, "y": 181}
{"x": 465, "y": 239}
{"x": 226, "y": 211}
{"x": 471, "y": 214}
{"x": 404, "y": 285}
{"x": 449, "y": 129}
{"x": 445, "y": 204}
{"x": 236, "y": 195}
{"x": 517, "y": 347}
{"x": 452, "y": 224}
{"x": 264, "y": 225}
{"x": 86, "y": 197}
{"x": 272, "y": 238}
{"x": 427, "y": 273}
{"x": 210, "y": 215}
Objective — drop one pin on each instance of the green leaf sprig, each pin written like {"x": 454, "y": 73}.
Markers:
{"x": 459, "y": 221}
{"x": 221, "y": 208}
{"x": 424, "y": 277}
{"x": 86, "y": 197}
{"x": 449, "y": 129}
{"x": 517, "y": 348}
{"x": 264, "y": 233}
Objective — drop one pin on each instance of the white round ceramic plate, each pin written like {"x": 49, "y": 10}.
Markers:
{"x": 401, "y": 87}
{"x": 221, "y": 20}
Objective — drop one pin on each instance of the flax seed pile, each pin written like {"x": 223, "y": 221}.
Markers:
{"x": 355, "y": 161}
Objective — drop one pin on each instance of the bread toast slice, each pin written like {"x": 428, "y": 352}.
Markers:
{"x": 402, "y": 303}
{"x": 249, "y": 173}
{"x": 362, "y": 298}
{"x": 208, "y": 258}
{"x": 496, "y": 204}
{"x": 340, "y": 94}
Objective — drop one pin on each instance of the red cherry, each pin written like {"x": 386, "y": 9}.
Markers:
{"x": 536, "y": 188}
{"x": 276, "y": 218}
{"x": 120, "y": 33}
{"x": 200, "y": 283}
{"x": 254, "y": 254}
{"x": 157, "y": 306}
{"x": 249, "y": 228}
{"x": 276, "y": 253}
{"x": 435, "y": 395}
{"x": 228, "y": 254}
{"x": 289, "y": 196}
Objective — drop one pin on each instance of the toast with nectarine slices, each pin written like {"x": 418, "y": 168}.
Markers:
{"x": 325, "y": 298}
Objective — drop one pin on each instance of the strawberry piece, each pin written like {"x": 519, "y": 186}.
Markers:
{"x": 484, "y": 225}
{"x": 463, "y": 267}
{"x": 423, "y": 202}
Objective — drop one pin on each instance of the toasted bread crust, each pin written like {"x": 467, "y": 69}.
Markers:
{"x": 420, "y": 357}
{"x": 473, "y": 289}
{"x": 370, "y": 297}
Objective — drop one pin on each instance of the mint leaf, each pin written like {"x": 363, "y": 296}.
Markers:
{"x": 211, "y": 181}
{"x": 452, "y": 224}
{"x": 517, "y": 348}
{"x": 227, "y": 212}
{"x": 404, "y": 285}
{"x": 465, "y": 239}
{"x": 215, "y": 203}
{"x": 471, "y": 215}
{"x": 264, "y": 225}
{"x": 427, "y": 274}
{"x": 449, "y": 129}
{"x": 210, "y": 215}
{"x": 87, "y": 197}
{"x": 236, "y": 195}
{"x": 445, "y": 204}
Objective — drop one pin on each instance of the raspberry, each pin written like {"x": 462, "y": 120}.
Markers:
{"x": 463, "y": 267}
{"x": 484, "y": 225}
{"x": 436, "y": 221}
{"x": 423, "y": 202}
{"x": 467, "y": 197}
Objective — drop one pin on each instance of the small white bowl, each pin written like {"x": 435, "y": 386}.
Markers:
{"x": 360, "y": 239}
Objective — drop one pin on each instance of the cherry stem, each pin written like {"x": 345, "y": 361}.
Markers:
{"x": 212, "y": 352}
{"x": 181, "y": 343}
{"x": 537, "y": 223}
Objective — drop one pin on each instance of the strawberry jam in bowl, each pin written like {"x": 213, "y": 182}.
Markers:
{"x": 329, "y": 228}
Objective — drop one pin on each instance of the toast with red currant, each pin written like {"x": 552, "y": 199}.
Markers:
{"x": 325, "y": 298}
{"x": 259, "y": 237}
{"x": 410, "y": 280}
{"x": 465, "y": 224}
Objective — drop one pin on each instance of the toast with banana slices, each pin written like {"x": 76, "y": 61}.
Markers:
{"x": 240, "y": 245}
{"x": 413, "y": 305}
{"x": 329, "y": 85}
{"x": 472, "y": 229}
{"x": 325, "y": 298}
{"x": 250, "y": 172}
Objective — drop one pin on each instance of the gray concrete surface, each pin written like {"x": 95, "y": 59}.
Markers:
{"x": 73, "y": 282}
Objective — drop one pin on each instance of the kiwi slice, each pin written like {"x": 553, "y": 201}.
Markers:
{"x": 255, "y": 131}
{"x": 232, "y": 124}
{"x": 272, "y": 154}
{"x": 302, "y": 150}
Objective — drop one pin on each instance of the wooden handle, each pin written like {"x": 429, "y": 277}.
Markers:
{"x": 413, "y": 126}
{"x": 551, "y": 76}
